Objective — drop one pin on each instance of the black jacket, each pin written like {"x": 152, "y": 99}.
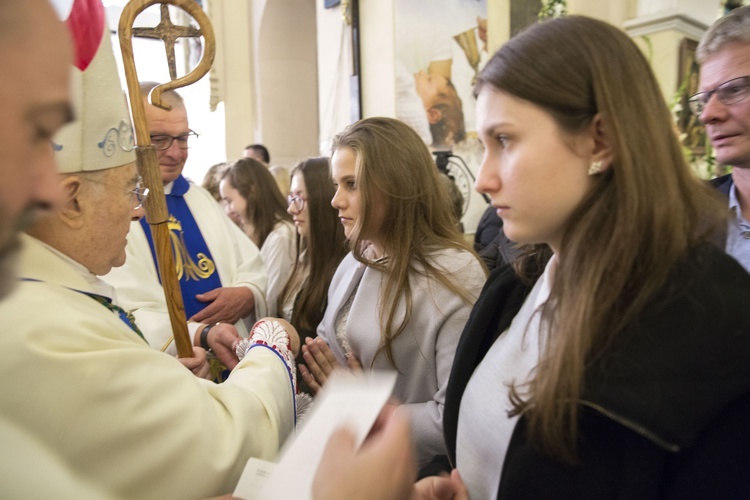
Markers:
{"x": 666, "y": 412}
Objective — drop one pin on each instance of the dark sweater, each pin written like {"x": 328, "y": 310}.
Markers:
{"x": 666, "y": 411}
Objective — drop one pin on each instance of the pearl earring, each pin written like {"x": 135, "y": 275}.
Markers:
{"x": 595, "y": 167}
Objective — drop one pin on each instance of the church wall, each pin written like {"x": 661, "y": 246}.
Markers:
{"x": 287, "y": 81}
{"x": 233, "y": 72}
{"x": 266, "y": 76}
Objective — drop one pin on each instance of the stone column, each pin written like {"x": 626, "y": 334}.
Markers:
{"x": 660, "y": 28}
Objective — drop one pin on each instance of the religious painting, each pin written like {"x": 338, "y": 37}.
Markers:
{"x": 440, "y": 47}
{"x": 693, "y": 134}
{"x": 523, "y": 14}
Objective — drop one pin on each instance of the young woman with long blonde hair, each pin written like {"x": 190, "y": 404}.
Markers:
{"x": 400, "y": 299}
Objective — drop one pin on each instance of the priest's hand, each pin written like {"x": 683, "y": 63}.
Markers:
{"x": 319, "y": 363}
{"x": 222, "y": 339}
{"x": 227, "y": 304}
{"x": 198, "y": 363}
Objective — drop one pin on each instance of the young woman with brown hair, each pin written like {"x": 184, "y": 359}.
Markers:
{"x": 612, "y": 362}
{"x": 253, "y": 198}
{"x": 321, "y": 245}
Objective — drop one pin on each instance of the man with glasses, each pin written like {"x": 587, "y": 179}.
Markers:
{"x": 221, "y": 273}
{"x": 78, "y": 375}
{"x": 724, "y": 108}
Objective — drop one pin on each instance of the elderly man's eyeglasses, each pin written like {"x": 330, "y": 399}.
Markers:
{"x": 138, "y": 195}
{"x": 162, "y": 142}
{"x": 297, "y": 202}
{"x": 729, "y": 92}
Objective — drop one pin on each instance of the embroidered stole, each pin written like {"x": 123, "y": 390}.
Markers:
{"x": 126, "y": 316}
{"x": 193, "y": 261}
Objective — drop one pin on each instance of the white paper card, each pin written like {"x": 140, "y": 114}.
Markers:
{"x": 347, "y": 400}
{"x": 253, "y": 477}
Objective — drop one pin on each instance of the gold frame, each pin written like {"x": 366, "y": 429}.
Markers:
{"x": 687, "y": 85}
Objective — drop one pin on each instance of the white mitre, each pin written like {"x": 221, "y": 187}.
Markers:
{"x": 101, "y": 137}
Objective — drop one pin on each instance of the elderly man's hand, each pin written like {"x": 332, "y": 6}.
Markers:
{"x": 227, "y": 304}
{"x": 197, "y": 364}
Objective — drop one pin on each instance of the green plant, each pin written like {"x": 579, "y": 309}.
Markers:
{"x": 552, "y": 8}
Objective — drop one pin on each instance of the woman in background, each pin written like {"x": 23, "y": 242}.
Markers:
{"x": 321, "y": 245}
{"x": 212, "y": 178}
{"x": 252, "y": 197}
{"x": 400, "y": 299}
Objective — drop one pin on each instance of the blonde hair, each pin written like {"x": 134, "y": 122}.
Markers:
{"x": 625, "y": 238}
{"x": 734, "y": 27}
{"x": 394, "y": 167}
{"x": 212, "y": 179}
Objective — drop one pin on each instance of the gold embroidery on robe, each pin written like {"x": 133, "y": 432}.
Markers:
{"x": 184, "y": 263}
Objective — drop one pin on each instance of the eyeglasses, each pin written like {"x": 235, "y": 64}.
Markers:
{"x": 162, "y": 142}
{"x": 138, "y": 194}
{"x": 729, "y": 92}
{"x": 297, "y": 202}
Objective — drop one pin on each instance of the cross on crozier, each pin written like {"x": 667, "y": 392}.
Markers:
{"x": 168, "y": 33}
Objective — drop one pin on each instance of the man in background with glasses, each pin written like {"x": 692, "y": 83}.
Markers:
{"x": 221, "y": 273}
{"x": 723, "y": 105}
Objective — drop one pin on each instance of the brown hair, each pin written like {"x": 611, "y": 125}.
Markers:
{"x": 623, "y": 240}
{"x": 394, "y": 166}
{"x": 265, "y": 205}
{"x": 318, "y": 254}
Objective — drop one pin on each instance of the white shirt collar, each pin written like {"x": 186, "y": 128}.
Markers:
{"x": 99, "y": 286}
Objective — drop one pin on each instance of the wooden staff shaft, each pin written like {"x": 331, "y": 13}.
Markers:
{"x": 157, "y": 214}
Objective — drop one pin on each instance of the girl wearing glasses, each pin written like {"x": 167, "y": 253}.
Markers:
{"x": 253, "y": 198}
{"x": 400, "y": 299}
{"x": 320, "y": 246}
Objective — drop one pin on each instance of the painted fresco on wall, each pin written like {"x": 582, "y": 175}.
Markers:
{"x": 694, "y": 134}
{"x": 440, "y": 47}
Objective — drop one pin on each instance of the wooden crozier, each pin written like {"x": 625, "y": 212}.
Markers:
{"x": 157, "y": 214}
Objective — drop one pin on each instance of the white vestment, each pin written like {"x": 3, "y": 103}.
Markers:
{"x": 124, "y": 417}
{"x": 278, "y": 252}
{"x": 236, "y": 257}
